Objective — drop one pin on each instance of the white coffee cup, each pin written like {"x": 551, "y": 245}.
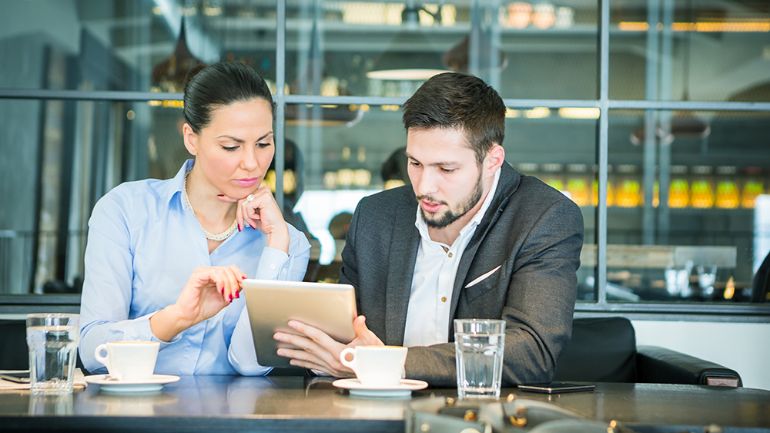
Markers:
{"x": 376, "y": 366}
{"x": 128, "y": 360}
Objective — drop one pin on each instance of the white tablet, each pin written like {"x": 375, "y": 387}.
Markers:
{"x": 271, "y": 304}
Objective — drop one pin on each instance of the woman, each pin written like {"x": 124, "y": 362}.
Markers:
{"x": 165, "y": 258}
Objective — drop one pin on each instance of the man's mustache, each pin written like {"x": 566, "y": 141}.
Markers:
{"x": 431, "y": 199}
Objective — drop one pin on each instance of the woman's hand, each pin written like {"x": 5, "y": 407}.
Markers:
{"x": 260, "y": 211}
{"x": 207, "y": 291}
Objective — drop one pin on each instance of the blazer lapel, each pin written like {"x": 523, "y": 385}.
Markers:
{"x": 507, "y": 185}
{"x": 401, "y": 261}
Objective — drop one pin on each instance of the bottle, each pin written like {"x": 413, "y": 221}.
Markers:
{"x": 578, "y": 184}
{"x": 628, "y": 191}
{"x": 610, "y": 188}
{"x": 702, "y": 187}
{"x": 752, "y": 187}
{"x": 527, "y": 168}
{"x": 679, "y": 188}
{"x": 552, "y": 175}
{"x": 727, "y": 196}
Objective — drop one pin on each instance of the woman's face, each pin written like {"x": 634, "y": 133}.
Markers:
{"x": 233, "y": 152}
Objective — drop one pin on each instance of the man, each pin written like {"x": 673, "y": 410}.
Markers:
{"x": 469, "y": 238}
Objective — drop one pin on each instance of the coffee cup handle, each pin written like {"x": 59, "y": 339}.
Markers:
{"x": 102, "y": 355}
{"x": 101, "y": 349}
{"x": 343, "y": 357}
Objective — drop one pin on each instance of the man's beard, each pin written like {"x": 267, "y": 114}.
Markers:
{"x": 442, "y": 220}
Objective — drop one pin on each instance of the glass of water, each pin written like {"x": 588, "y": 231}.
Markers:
{"x": 52, "y": 339}
{"x": 479, "y": 356}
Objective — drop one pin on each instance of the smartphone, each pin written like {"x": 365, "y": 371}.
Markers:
{"x": 557, "y": 387}
{"x": 16, "y": 376}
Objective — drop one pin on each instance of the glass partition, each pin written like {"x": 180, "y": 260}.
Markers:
{"x": 679, "y": 170}
{"x": 685, "y": 50}
{"x": 336, "y": 155}
{"x": 133, "y": 45}
{"x": 524, "y": 49}
{"x": 687, "y": 206}
{"x": 64, "y": 155}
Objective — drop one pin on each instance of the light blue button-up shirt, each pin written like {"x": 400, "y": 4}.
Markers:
{"x": 143, "y": 245}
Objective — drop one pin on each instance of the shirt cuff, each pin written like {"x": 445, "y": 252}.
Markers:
{"x": 271, "y": 263}
{"x": 142, "y": 324}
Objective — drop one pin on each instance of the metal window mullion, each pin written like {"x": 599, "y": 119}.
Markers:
{"x": 689, "y": 105}
{"x": 664, "y": 120}
{"x": 119, "y": 95}
{"x": 280, "y": 99}
{"x": 649, "y": 142}
{"x": 601, "y": 218}
{"x": 88, "y": 95}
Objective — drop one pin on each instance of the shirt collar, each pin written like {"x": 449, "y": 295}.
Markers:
{"x": 422, "y": 226}
{"x": 175, "y": 185}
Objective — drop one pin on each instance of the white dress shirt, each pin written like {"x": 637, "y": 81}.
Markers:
{"x": 427, "y": 318}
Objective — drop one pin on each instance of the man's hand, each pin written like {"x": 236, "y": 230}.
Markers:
{"x": 318, "y": 351}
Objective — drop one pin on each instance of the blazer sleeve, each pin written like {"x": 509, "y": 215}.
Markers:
{"x": 538, "y": 309}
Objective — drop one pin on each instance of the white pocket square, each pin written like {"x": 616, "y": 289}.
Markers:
{"x": 483, "y": 277}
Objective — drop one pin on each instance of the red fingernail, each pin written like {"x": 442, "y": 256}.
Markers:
{"x": 231, "y": 297}
{"x": 222, "y": 290}
{"x": 239, "y": 227}
{"x": 243, "y": 277}
{"x": 237, "y": 294}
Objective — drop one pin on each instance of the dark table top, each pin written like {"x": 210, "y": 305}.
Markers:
{"x": 233, "y": 403}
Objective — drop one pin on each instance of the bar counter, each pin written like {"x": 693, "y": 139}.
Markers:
{"x": 281, "y": 404}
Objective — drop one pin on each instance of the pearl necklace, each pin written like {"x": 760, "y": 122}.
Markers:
{"x": 210, "y": 236}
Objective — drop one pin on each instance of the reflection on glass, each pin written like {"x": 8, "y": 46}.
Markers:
{"x": 699, "y": 238}
{"x": 689, "y": 50}
{"x": 86, "y": 148}
{"x": 51, "y": 404}
{"x": 130, "y": 45}
{"x": 345, "y": 162}
{"x": 389, "y": 49}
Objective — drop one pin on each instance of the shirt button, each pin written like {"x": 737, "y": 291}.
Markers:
{"x": 450, "y": 254}
{"x": 443, "y": 299}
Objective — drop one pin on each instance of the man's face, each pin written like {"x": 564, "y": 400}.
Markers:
{"x": 445, "y": 175}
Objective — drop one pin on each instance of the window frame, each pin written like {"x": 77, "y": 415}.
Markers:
{"x": 19, "y": 304}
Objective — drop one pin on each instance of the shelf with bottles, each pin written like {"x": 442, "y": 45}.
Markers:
{"x": 694, "y": 187}
{"x": 670, "y": 272}
{"x": 702, "y": 283}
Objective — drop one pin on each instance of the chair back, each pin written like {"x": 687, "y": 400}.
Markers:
{"x": 13, "y": 345}
{"x": 601, "y": 350}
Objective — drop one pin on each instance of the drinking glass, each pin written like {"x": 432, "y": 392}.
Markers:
{"x": 479, "y": 345}
{"x": 52, "y": 339}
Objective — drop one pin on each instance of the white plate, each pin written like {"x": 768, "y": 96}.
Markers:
{"x": 152, "y": 384}
{"x": 404, "y": 389}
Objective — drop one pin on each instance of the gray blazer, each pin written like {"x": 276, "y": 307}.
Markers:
{"x": 530, "y": 230}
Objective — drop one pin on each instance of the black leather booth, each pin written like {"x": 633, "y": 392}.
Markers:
{"x": 13, "y": 345}
{"x": 605, "y": 350}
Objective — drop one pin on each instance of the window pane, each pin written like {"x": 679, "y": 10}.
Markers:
{"x": 65, "y": 156}
{"x": 129, "y": 45}
{"x": 696, "y": 50}
{"x": 349, "y": 152}
{"x": 537, "y": 50}
{"x": 559, "y": 147}
{"x": 688, "y": 206}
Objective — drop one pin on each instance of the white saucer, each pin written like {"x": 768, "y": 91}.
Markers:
{"x": 110, "y": 385}
{"x": 404, "y": 389}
